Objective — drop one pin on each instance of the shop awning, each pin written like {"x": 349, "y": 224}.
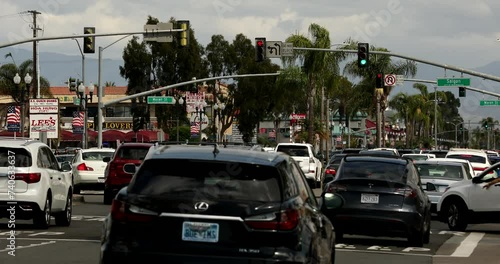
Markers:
{"x": 113, "y": 135}
{"x": 142, "y": 136}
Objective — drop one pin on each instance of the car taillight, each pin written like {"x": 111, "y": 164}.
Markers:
{"x": 123, "y": 212}
{"x": 333, "y": 188}
{"x": 28, "y": 177}
{"x": 481, "y": 169}
{"x": 282, "y": 221}
{"x": 407, "y": 192}
{"x": 84, "y": 167}
{"x": 330, "y": 171}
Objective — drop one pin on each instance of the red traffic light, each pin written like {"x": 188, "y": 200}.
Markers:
{"x": 379, "y": 75}
{"x": 260, "y": 43}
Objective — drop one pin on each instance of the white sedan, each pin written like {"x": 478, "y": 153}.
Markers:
{"x": 89, "y": 167}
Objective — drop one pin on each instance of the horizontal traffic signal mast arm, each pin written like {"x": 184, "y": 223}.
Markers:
{"x": 466, "y": 87}
{"x": 89, "y": 35}
{"x": 444, "y": 66}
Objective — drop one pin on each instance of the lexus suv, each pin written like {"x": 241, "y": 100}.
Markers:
{"x": 32, "y": 184}
{"x": 115, "y": 177}
{"x": 211, "y": 205}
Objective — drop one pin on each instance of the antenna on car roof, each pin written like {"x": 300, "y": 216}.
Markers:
{"x": 216, "y": 150}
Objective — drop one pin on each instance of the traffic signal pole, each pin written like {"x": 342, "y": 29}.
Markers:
{"x": 154, "y": 91}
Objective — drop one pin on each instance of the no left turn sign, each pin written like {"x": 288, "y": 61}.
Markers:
{"x": 390, "y": 80}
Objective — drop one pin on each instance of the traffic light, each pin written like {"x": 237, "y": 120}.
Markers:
{"x": 461, "y": 91}
{"x": 72, "y": 84}
{"x": 485, "y": 124}
{"x": 183, "y": 35}
{"x": 89, "y": 42}
{"x": 363, "y": 54}
{"x": 260, "y": 49}
{"x": 461, "y": 127}
{"x": 136, "y": 123}
{"x": 379, "y": 82}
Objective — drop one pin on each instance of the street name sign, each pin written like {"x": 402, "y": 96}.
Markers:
{"x": 153, "y": 35}
{"x": 161, "y": 100}
{"x": 489, "y": 103}
{"x": 453, "y": 82}
{"x": 287, "y": 49}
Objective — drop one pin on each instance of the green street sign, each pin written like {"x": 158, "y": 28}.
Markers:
{"x": 489, "y": 103}
{"x": 161, "y": 100}
{"x": 76, "y": 100}
{"x": 453, "y": 82}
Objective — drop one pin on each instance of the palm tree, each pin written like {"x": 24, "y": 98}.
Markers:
{"x": 8, "y": 87}
{"x": 109, "y": 84}
{"x": 314, "y": 64}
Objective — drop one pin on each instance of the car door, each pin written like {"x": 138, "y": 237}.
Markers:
{"x": 483, "y": 200}
{"x": 56, "y": 177}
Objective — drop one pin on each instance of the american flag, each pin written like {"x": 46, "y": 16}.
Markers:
{"x": 13, "y": 114}
{"x": 195, "y": 127}
{"x": 78, "y": 118}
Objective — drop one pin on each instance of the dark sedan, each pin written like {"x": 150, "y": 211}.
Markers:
{"x": 382, "y": 196}
{"x": 202, "y": 204}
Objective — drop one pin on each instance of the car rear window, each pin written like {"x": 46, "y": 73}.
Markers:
{"x": 388, "y": 171}
{"x": 64, "y": 158}
{"x": 132, "y": 153}
{"x": 440, "y": 170}
{"x": 220, "y": 180}
{"x": 471, "y": 158}
{"x": 17, "y": 157}
{"x": 97, "y": 155}
{"x": 297, "y": 151}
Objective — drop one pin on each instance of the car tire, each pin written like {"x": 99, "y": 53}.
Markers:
{"x": 64, "y": 218}
{"x": 455, "y": 213}
{"x": 41, "y": 218}
{"x": 427, "y": 223}
{"x": 108, "y": 196}
{"x": 76, "y": 189}
{"x": 339, "y": 236}
{"x": 416, "y": 238}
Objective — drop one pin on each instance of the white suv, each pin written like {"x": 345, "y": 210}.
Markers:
{"x": 303, "y": 153}
{"x": 467, "y": 202}
{"x": 33, "y": 183}
{"x": 478, "y": 158}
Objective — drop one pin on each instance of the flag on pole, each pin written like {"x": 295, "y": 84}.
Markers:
{"x": 195, "y": 127}
{"x": 14, "y": 118}
{"x": 78, "y": 122}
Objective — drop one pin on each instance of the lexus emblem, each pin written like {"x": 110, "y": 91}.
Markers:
{"x": 370, "y": 185}
{"x": 201, "y": 206}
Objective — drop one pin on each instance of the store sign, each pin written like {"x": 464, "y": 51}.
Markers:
{"x": 44, "y": 123}
{"x": 113, "y": 125}
{"x": 44, "y": 106}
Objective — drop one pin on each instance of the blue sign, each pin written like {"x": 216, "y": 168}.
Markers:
{"x": 14, "y": 127}
{"x": 77, "y": 130}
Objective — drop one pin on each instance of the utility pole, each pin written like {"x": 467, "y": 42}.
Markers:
{"x": 35, "y": 53}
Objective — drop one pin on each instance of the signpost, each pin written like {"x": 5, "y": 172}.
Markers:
{"x": 161, "y": 100}
{"x": 390, "y": 80}
{"x": 489, "y": 103}
{"x": 44, "y": 118}
{"x": 278, "y": 49}
{"x": 453, "y": 82}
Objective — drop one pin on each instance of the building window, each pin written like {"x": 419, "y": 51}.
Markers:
{"x": 118, "y": 111}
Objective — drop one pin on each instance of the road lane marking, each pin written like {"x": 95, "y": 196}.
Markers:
{"x": 468, "y": 245}
{"x": 30, "y": 246}
{"x": 384, "y": 252}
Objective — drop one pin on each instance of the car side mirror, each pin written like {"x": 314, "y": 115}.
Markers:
{"x": 430, "y": 187}
{"x": 106, "y": 159}
{"x": 477, "y": 180}
{"x": 65, "y": 166}
{"x": 332, "y": 201}
{"x": 129, "y": 168}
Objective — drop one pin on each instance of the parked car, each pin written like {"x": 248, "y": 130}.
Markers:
{"x": 88, "y": 168}
{"x": 29, "y": 169}
{"x": 304, "y": 154}
{"x": 467, "y": 202}
{"x": 220, "y": 205}
{"x": 382, "y": 196}
{"x": 115, "y": 177}
{"x": 436, "y": 176}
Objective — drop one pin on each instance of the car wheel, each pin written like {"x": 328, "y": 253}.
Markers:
{"x": 416, "y": 238}
{"x": 42, "y": 218}
{"x": 339, "y": 236}
{"x": 64, "y": 218}
{"x": 108, "y": 196}
{"x": 76, "y": 189}
{"x": 427, "y": 234}
{"x": 456, "y": 215}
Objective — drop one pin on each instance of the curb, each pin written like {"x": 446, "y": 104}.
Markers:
{"x": 78, "y": 198}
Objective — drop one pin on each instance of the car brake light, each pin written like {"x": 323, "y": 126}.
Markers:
{"x": 333, "y": 188}
{"x": 330, "y": 171}
{"x": 283, "y": 221}
{"x": 84, "y": 167}
{"x": 407, "y": 192}
{"x": 28, "y": 177}
{"x": 123, "y": 212}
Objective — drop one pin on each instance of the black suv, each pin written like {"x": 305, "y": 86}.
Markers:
{"x": 209, "y": 204}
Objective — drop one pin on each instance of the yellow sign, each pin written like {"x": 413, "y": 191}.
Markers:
{"x": 65, "y": 99}
{"x": 113, "y": 125}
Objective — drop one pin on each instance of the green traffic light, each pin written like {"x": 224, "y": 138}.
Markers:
{"x": 363, "y": 62}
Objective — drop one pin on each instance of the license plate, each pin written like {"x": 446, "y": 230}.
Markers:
{"x": 101, "y": 180}
{"x": 369, "y": 198}
{"x": 200, "y": 232}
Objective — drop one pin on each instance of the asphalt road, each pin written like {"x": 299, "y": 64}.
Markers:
{"x": 80, "y": 243}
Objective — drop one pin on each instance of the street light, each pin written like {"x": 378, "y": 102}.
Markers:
{"x": 219, "y": 108}
{"x": 456, "y": 131}
{"x": 200, "y": 112}
{"x": 180, "y": 102}
{"x": 17, "y": 81}
{"x": 84, "y": 99}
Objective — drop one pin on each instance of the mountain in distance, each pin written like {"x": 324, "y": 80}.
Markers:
{"x": 57, "y": 68}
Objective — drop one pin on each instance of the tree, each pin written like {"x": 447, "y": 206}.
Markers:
{"x": 109, "y": 84}
{"x": 9, "y": 88}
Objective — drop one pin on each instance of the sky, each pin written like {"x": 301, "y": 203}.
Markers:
{"x": 455, "y": 32}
